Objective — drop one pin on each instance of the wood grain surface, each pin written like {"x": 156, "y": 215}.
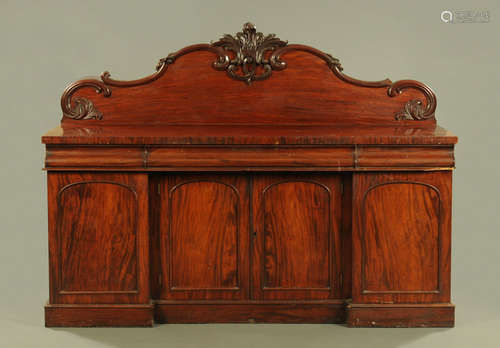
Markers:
{"x": 109, "y": 315}
{"x": 250, "y": 312}
{"x": 203, "y": 231}
{"x": 98, "y": 236}
{"x": 332, "y": 158}
{"x": 401, "y": 134}
{"x": 296, "y": 237}
{"x": 405, "y": 258}
{"x": 93, "y": 236}
{"x": 249, "y": 181}
{"x": 307, "y": 92}
{"x": 401, "y": 237}
{"x": 404, "y": 315}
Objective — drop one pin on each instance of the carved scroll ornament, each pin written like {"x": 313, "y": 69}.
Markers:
{"x": 249, "y": 48}
{"x": 81, "y": 108}
{"x": 414, "y": 109}
{"x": 247, "y": 56}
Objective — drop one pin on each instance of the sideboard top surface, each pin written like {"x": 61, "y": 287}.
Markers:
{"x": 250, "y": 135}
{"x": 248, "y": 88}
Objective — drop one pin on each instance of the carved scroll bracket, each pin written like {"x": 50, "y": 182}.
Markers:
{"x": 81, "y": 108}
{"x": 414, "y": 109}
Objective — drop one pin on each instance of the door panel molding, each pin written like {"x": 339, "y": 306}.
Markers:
{"x": 295, "y": 222}
{"x": 401, "y": 250}
{"x": 91, "y": 261}
{"x": 204, "y": 235}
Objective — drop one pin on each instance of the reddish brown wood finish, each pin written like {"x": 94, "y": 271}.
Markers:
{"x": 155, "y": 182}
{"x": 346, "y": 236}
{"x": 243, "y": 156}
{"x": 296, "y": 239}
{"x": 94, "y": 231}
{"x": 85, "y": 156}
{"x": 406, "y": 315}
{"x": 98, "y": 315}
{"x": 91, "y": 260}
{"x": 392, "y": 243}
{"x": 401, "y": 237}
{"x": 306, "y": 93}
{"x": 204, "y": 237}
{"x": 249, "y": 180}
{"x": 404, "y": 156}
{"x": 404, "y": 133}
{"x": 261, "y": 158}
{"x": 250, "y": 312}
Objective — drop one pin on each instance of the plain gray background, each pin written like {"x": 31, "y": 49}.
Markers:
{"x": 47, "y": 44}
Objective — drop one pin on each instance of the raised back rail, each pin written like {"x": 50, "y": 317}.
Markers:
{"x": 247, "y": 79}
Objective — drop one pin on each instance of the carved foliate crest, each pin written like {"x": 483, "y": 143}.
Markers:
{"x": 249, "y": 48}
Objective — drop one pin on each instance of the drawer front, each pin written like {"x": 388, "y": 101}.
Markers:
{"x": 248, "y": 158}
{"x": 267, "y": 158}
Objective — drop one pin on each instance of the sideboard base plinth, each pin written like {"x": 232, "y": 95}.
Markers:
{"x": 400, "y": 315}
{"x": 251, "y": 312}
{"x": 163, "y": 312}
{"x": 103, "y": 315}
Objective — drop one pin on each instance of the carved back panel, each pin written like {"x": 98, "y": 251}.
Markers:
{"x": 247, "y": 79}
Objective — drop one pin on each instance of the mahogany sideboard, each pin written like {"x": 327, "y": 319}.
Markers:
{"x": 249, "y": 180}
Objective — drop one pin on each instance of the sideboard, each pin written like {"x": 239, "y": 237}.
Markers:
{"x": 249, "y": 180}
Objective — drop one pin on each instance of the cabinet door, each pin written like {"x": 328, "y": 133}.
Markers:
{"x": 204, "y": 236}
{"x": 98, "y": 238}
{"x": 296, "y": 244}
{"x": 401, "y": 237}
